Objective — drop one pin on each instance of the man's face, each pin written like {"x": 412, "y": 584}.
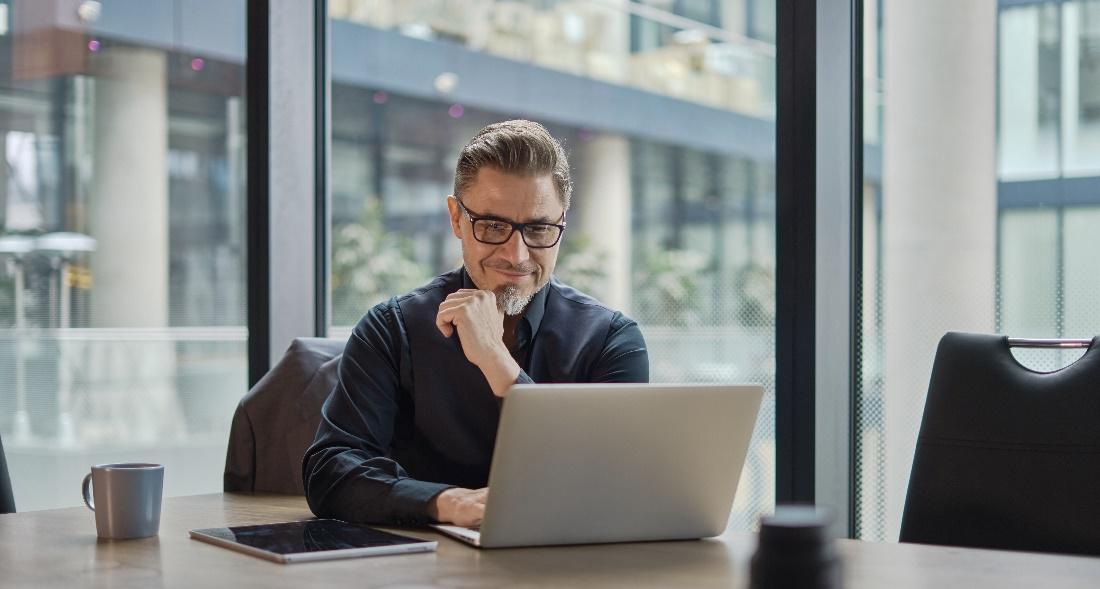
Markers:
{"x": 512, "y": 270}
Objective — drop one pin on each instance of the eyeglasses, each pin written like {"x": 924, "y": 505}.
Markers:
{"x": 495, "y": 231}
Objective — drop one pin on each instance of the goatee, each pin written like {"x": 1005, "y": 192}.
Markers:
{"x": 511, "y": 300}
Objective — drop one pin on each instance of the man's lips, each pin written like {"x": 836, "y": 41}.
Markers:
{"x": 512, "y": 273}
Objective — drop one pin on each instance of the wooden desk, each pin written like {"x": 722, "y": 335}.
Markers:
{"x": 59, "y": 548}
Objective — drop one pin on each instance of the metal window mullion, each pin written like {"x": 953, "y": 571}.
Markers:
{"x": 257, "y": 68}
{"x": 282, "y": 182}
{"x": 322, "y": 167}
{"x": 796, "y": 210}
{"x": 819, "y": 172}
{"x": 839, "y": 204}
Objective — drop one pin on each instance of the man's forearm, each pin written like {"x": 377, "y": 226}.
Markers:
{"x": 501, "y": 372}
{"x": 345, "y": 484}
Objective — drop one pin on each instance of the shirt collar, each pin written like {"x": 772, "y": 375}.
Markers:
{"x": 535, "y": 309}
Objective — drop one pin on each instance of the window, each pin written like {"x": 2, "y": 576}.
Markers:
{"x": 122, "y": 222}
{"x": 667, "y": 117}
{"x": 980, "y": 207}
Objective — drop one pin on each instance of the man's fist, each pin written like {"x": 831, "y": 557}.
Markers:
{"x": 479, "y": 322}
{"x": 461, "y": 507}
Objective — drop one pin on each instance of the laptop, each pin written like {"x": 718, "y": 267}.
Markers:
{"x": 594, "y": 463}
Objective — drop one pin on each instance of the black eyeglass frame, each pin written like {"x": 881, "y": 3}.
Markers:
{"x": 474, "y": 218}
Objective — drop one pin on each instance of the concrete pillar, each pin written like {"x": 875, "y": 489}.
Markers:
{"x": 129, "y": 198}
{"x": 128, "y": 217}
{"x": 602, "y": 209}
{"x": 940, "y": 202}
{"x": 734, "y": 13}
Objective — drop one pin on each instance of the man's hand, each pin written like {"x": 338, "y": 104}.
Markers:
{"x": 461, "y": 507}
{"x": 480, "y": 325}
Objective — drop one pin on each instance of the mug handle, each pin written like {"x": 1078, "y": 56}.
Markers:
{"x": 85, "y": 492}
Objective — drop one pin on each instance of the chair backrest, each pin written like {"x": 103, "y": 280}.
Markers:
{"x": 1007, "y": 457}
{"x": 7, "y": 501}
{"x": 277, "y": 419}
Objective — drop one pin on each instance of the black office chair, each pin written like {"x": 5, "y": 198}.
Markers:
{"x": 7, "y": 501}
{"x": 1007, "y": 457}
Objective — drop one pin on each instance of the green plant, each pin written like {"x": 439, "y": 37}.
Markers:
{"x": 582, "y": 265}
{"x": 755, "y": 289}
{"x": 369, "y": 265}
{"x": 667, "y": 287}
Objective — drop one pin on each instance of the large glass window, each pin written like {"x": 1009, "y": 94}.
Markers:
{"x": 981, "y": 196}
{"x": 122, "y": 235}
{"x": 666, "y": 110}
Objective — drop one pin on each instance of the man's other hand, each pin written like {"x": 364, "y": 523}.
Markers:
{"x": 474, "y": 315}
{"x": 461, "y": 507}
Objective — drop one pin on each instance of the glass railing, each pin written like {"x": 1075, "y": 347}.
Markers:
{"x": 70, "y": 398}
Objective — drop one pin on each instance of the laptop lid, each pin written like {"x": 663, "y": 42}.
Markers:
{"x": 578, "y": 464}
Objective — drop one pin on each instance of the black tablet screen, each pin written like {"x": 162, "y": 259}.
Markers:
{"x": 309, "y": 536}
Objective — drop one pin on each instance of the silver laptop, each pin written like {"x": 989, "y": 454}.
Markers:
{"x": 581, "y": 464}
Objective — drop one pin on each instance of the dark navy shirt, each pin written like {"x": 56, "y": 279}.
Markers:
{"x": 410, "y": 416}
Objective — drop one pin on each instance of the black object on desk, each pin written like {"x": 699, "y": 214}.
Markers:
{"x": 795, "y": 551}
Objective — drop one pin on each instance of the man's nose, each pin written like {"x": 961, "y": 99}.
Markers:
{"x": 515, "y": 249}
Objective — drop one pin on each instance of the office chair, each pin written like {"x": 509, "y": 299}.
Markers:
{"x": 277, "y": 420}
{"x": 1007, "y": 457}
{"x": 7, "y": 501}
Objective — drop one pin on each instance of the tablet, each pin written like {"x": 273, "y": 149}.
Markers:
{"x": 315, "y": 539}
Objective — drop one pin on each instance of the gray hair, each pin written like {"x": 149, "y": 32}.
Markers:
{"x": 515, "y": 147}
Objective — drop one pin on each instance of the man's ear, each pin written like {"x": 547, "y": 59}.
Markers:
{"x": 455, "y": 213}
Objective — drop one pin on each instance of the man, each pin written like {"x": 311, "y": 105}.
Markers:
{"x": 407, "y": 435}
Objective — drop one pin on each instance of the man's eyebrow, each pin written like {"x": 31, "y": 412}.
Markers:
{"x": 492, "y": 217}
{"x": 544, "y": 220}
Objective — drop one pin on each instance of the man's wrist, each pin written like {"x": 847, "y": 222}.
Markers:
{"x": 502, "y": 372}
{"x": 439, "y": 506}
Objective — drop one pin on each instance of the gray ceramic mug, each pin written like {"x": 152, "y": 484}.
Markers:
{"x": 127, "y": 499}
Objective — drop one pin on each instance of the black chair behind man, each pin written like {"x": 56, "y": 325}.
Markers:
{"x": 277, "y": 420}
{"x": 1007, "y": 457}
{"x": 7, "y": 501}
